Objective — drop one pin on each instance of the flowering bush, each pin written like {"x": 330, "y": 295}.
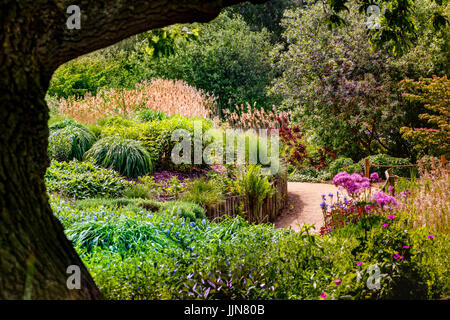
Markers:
{"x": 383, "y": 200}
{"x": 344, "y": 212}
{"x": 354, "y": 183}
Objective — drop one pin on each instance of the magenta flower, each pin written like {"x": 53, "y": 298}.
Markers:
{"x": 382, "y": 199}
{"x": 359, "y": 263}
{"x": 391, "y": 217}
{"x": 323, "y": 295}
{"x": 385, "y": 225}
{"x": 396, "y": 256}
{"x": 405, "y": 247}
{"x": 353, "y": 184}
{"x": 374, "y": 177}
{"x": 430, "y": 236}
{"x": 337, "y": 282}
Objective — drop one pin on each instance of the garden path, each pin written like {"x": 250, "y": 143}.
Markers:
{"x": 303, "y": 205}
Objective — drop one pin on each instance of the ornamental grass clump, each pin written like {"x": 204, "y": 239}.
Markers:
{"x": 428, "y": 202}
{"x": 168, "y": 96}
{"x": 69, "y": 140}
{"x": 126, "y": 156}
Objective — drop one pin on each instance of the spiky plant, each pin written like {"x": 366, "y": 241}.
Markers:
{"x": 255, "y": 187}
{"x": 69, "y": 140}
{"x": 126, "y": 156}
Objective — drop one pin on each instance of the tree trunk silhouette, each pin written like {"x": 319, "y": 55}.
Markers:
{"x": 34, "y": 38}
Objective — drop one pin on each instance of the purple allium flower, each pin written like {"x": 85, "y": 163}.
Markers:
{"x": 374, "y": 177}
{"x": 353, "y": 183}
{"x": 323, "y": 295}
{"x": 405, "y": 194}
{"x": 383, "y": 199}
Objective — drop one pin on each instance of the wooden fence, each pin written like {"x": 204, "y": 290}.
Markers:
{"x": 268, "y": 212}
{"x": 367, "y": 165}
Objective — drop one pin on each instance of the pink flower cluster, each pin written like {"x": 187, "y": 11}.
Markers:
{"x": 352, "y": 183}
{"x": 374, "y": 177}
{"x": 382, "y": 199}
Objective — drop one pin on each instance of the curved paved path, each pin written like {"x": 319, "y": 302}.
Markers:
{"x": 303, "y": 205}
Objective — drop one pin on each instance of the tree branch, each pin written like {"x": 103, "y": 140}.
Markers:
{"x": 105, "y": 22}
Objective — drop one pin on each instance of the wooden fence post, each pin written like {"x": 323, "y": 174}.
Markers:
{"x": 367, "y": 167}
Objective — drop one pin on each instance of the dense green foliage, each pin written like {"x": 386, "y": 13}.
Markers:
{"x": 203, "y": 192}
{"x": 341, "y": 89}
{"x": 159, "y": 255}
{"x": 83, "y": 180}
{"x": 69, "y": 142}
{"x": 228, "y": 60}
{"x": 126, "y": 156}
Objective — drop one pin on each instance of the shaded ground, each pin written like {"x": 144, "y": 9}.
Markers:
{"x": 303, "y": 206}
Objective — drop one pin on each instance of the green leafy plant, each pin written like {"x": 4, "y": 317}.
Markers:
{"x": 69, "y": 140}
{"x": 126, "y": 156}
{"x": 83, "y": 180}
{"x": 203, "y": 192}
{"x": 255, "y": 187}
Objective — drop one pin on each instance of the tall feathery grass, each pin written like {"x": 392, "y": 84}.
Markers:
{"x": 252, "y": 117}
{"x": 429, "y": 200}
{"x": 168, "y": 96}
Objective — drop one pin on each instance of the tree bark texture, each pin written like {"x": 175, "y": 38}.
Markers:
{"x": 34, "y": 252}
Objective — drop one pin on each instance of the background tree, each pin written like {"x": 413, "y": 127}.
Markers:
{"x": 345, "y": 91}
{"x": 228, "y": 60}
{"x": 434, "y": 95}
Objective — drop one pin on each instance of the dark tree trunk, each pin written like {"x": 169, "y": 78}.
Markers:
{"x": 34, "y": 252}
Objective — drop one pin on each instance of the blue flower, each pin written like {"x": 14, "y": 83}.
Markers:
{"x": 330, "y": 195}
{"x": 203, "y": 221}
{"x": 192, "y": 223}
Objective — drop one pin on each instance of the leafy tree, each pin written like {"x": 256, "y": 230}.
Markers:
{"x": 338, "y": 87}
{"x": 267, "y": 15}
{"x": 228, "y": 60}
{"x": 434, "y": 94}
{"x": 342, "y": 89}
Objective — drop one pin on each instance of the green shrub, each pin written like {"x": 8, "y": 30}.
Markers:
{"x": 202, "y": 191}
{"x": 137, "y": 190}
{"x": 69, "y": 140}
{"x": 228, "y": 60}
{"x": 185, "y": 209}
{"x": 158, "y": 137}
{"x": 255, "y": 187}
{"x": 83, "y": 180}
{"x": 128, "y": 157}
{"x": 385, "y": 159}
{"x": 339, "y": 165}
{"x": 117, "y": 203}
{"x": 146, "y": 115}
